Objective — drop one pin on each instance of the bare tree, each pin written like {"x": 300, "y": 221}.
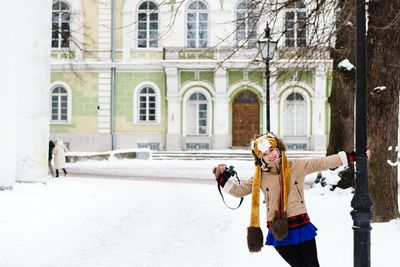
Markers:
{"x": 383, "y": 84}
{"x": 341, "y": 99}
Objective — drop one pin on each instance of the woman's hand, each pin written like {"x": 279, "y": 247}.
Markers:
{"x": 218, "y": 172}
{"x": 351, "y": 156}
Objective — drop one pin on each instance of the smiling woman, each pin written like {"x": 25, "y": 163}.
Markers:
{"x": 282, "y": 182}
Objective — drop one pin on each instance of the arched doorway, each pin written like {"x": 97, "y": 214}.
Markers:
{"x": 245, "y": 118}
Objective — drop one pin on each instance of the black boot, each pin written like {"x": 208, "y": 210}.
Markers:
{"x": 57, "y": 173}
{"x": 65, "y": 172}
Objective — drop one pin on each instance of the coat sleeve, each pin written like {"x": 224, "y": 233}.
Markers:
{"x": 238, "y": 190}
{"x": 323, "y": 163}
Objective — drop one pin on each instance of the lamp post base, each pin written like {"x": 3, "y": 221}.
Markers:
{"x": 362, "y": 237}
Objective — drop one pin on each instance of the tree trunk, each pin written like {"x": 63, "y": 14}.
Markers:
{"x": 341, "y": 100}
{"x": 383, "y": 69}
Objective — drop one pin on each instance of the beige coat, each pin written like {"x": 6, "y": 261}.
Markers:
{"x": 299, "y": 168}
{"x": 59, "y": 155}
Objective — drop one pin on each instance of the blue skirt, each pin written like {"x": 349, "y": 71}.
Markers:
{"x": 295, "y": 236}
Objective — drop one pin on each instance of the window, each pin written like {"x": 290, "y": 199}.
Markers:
{"x": 197, "y": 25}
{"x": 295, "y": 115}
{"x": 246, "y": 23}
{"x": 295, "y": 24}
{"x": 147, "y": 34}
{"x": 197, "y": 115}
{"x": 59, "y": 104}
{"x": 147, "y": 105}
{"x": 61, "y": 18}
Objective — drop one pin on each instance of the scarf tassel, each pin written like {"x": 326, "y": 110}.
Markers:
{"x": 255, "y": 238}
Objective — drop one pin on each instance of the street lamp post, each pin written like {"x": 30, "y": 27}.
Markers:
{"x": 267, "y": 50}
{"x": 361, "y": 202}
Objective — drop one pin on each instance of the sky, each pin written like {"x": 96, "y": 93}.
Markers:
{"x": 176, "y": 218}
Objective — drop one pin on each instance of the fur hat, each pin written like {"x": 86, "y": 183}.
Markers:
{"x": 279, "y": 228}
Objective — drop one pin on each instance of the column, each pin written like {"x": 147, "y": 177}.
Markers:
{"x": 173, "y": 140}
{"x": 8, "y": 96}
{"x": 318, "y": 135}
{"x": 30, "y": 80}
{"x": 221, "y": 137}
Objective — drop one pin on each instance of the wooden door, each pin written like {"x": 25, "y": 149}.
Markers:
{"x": 245, "y": 118}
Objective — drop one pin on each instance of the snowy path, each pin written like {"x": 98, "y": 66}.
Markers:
{"x": 80, "y": 222}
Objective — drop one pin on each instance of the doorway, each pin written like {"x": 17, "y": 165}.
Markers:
{"x": 245, "y": 118}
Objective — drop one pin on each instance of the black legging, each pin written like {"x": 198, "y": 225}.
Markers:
{"x": 64, "y": 170}
{"x": 303, "y": 254}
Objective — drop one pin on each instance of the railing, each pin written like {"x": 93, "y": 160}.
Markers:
{"x": 242, "y": 53}
{"x": 219, "y": 53}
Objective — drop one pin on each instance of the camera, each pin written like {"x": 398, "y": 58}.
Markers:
{"x": 229, "y": 172}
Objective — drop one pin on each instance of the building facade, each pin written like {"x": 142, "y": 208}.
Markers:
{"x": 182, "y": 76}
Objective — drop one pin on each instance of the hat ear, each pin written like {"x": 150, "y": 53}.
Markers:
{"x": 257, "y": 160}
{"x": 280, "y": 144}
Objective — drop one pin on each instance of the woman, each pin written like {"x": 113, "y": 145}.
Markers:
{"x": 59, "y": 157}
{"x": 282, "y": 182}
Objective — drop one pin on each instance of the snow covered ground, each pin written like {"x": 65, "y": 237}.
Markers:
{"x": 123, "y": 222}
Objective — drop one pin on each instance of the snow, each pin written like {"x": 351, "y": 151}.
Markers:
{"x": 132, "y": 220}
{"x": 378, "y": 89}
{"x": 346, "y": 64}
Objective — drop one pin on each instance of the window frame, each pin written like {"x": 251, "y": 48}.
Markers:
{"x": 69, "y": 103}
{"x": 296, "y": 24}
{"x": 246, "y": 24}
{"x": 197, "y": 28}
{"x": 148, "y": 12}
{"x": 192, "y": 89}
{"x": 295, "y": 113}
{"x": 60, "y": 22}
{"x": 136, "y": 103}
{"x": 147, "y": 102}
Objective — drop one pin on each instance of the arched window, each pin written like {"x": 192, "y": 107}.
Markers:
{"x": 147, "y": 104}
{"x": 61, "y": 30}
{"x": 295, "y": 24}
{"x": 59, "y": 104}
{"x": 246, "y": 22}
{"x": 197, "y": 114}
{"x": 295, "y": 112}
{"x": 147, "y": 34}
{"x": 197, "y": 25}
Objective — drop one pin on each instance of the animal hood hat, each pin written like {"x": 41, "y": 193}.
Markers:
{"x": 279, "y": 228}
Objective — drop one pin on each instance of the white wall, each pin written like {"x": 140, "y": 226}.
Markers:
{"x": 31, "y": 48}
{"x": 8, "y": 97}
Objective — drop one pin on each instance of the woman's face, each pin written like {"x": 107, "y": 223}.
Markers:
{"x": 272, "y": 155}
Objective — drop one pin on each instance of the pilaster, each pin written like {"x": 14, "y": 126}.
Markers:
{"x": 173, "y": 141}
{"x": 221, "y": 110}
{"x": 104, "y": 108}
{"x": 104, "y": 38}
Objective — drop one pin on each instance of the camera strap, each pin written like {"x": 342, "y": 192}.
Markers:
{"x": 220, "y": 192}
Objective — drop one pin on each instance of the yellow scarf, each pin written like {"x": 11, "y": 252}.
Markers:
{"x": 260, "y": 146}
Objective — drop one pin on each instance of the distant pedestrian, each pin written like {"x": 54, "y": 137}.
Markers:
{"x": 59, "y": 157}
{"x": 51, "y": 147}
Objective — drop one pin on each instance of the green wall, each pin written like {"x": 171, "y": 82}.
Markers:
{"x": 84, "y": 102}
{"x": 124, "y": 104}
